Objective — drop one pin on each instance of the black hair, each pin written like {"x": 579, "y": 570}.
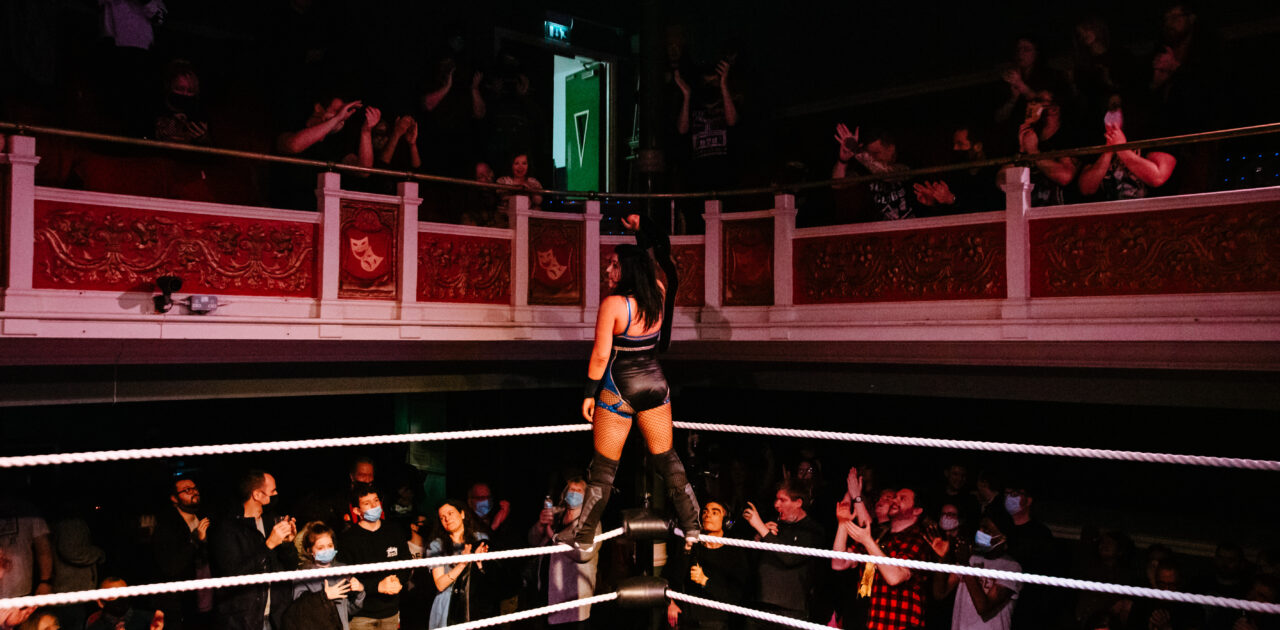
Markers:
{"x": 469, "y": 529}
{"x": 363, "y": 459}
{"x": 251, "y": 480}
{"x": 362, "y": 490}
{"x": 873, "y": 133}
{"x": 639, "y": 280}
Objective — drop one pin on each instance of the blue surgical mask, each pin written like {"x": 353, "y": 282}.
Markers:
{"x": 373, "y": 514}
{"x": 325, "y": 556}
{"x": 982, "y": 540}
{"x": 482, "y": 507}
{"x": 1013, "y": 504}
{"x": 573, "y": 499}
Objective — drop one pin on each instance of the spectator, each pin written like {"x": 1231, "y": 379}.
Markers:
{"x": 449, "y": 117}
{"x": 481, "y": 206}
{"x": 371, "y": 540}
{"x": 786, "y": 581}
{"x": 954, "y": 490}
{"x": 511, "y": 111}
{"x": 490, "y": 512}
{"x": 972, "y": 190}
{"x": 710, "y": 571}
{"x": 1124, "y": 174}
{"x": 181, "y": 117}
{"x": 252, "y": 540}
{"x": 1032, "y": 545}
{"x": 1040, "y": 132}
{"x": 457, "y": 585}
{"x": 984, "y": 603}
{"x": 708, "y": 115}
{"x": 1265, "y": 589}
{"x": 25, "y": 548}
{"x": 118, "y": 613}
{"x": 415, "y": 600}
{"x": 320, "y": 138}
{"x": 336, "y": 507}
{"x": 897, "y": 593}
{"x": 180, "y": 553}
{"x": 570, "y": 575}
{"x": 1099, "y": 70}
{"x": 1231, "y": 576}
{"x": 1156, "y": 554}
{"x": 520, "y": 177}
{"x": 1107, "y": 559}
{"x": 941, "y": 607}
{"x": 128, "y": 32}
{"x": 316, "y": 551}
{"x": 399, "y": 145}
{"x": 312, "y": 611}
{"x": 75, "y": 561}
{"x": 879, "y": 155}
{"x": 1155, "y": 614}
{"x": 1026, "y": 77}
{"x": 988, "y": 489}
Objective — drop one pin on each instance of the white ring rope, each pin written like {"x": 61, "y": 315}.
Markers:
{"x": 998, "y": 447}
{"x": 1012, "y": 576}
{"x": 526, "y": 614}
{"x": 746, "y": 612}
{"x": 288, "y": 445}
{"x": 76, "y": 597}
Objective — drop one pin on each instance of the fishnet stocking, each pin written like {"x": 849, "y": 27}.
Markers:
{"x": 655, "y": 424}
{"x": 610, "y": 429}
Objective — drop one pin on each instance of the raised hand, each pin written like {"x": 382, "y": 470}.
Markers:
{"x": 846, "y": 140}
{"x": 844, "y": 509}
{"x": 853, "y": 483}
{"x": 202, "y": 529}
{"x": 924, "y": 194}
{"x": 752, "y": 516}
{"x": 403, "y": 123}
{"x": 476, "y": 80}
{"x": 680, "y": 83}
{"x": 411, "y": 136}
{"x": 631, "y": 222}
{"x": 349, "y": 109}
{"x": 859, "y": 534}
{"x": 1115, "y": 135}
{"x": 722, "y": 69}
{"x": 157, "y": 621}
{"x": 371, "y": 117}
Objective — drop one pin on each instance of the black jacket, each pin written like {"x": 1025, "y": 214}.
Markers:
{"x": 237, "y": 548}
{"x": 177, "y": 551}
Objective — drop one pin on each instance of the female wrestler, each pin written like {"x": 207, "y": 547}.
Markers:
{"x": 624, "y": 381}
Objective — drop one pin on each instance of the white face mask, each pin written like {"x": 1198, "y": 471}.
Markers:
{"x": 948, "y": 523}
{"x": 1013, "y": 504}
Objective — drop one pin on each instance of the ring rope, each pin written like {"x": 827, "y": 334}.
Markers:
{"x": 746, "y": 612}
{"x": 286, "y": 445}
{"x": 998, "y": 447}
{"x": 535, "y": 612}
{"x": 76, "y": 597}
{"x": 1012, "y": 576}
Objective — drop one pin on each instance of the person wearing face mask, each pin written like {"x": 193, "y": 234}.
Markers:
{"x": 118, "y": 613}
{"x": 957, "y": 192}
{"x": 983, "y": 603}
{"x": 181, "y": 116}
{"x": 373, "y": 539}
{"x": 461, "y": 593}
{"x": 317, "y": 551}
{"x": 252, "y": 540}
{"x": 1032, "y": 545}
{"x": 947, "y": 544}
{"x": 565, "y": 576}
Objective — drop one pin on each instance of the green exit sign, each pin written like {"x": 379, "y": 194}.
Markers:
{"x": 556, "y": 32}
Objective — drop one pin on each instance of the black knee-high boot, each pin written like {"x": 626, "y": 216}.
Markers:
{"x": 599, "y": 485}
{"x": 686, "y": 503}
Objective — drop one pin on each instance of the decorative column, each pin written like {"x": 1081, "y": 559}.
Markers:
{"x": 784, "y": 229}
{"x": 713, "y": 296}
{"x": 21, "y": 201}
{"x": 409, "y": 202}
{"x": 1016, "y": 183}
{"x": 591, "y": 260}
{"x": 329, "y": 199}
{"x": 520, "y": 259}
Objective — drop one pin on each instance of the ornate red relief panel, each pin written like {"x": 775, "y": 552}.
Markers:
{"x": 82, "y": 246}
{"x": 466, "y": 269}
{"x": 370, "y": 242}
{"x": 748, "y": 262}
{"x": 1213, "y": 250}
{"x": 555, "y": 262}
{"x": 957, "y": 263}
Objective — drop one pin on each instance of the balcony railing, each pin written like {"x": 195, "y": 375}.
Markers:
{"x": 83, "y": 264}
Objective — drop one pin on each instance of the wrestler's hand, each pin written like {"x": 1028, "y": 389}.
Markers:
{"x": 588, "y": 408}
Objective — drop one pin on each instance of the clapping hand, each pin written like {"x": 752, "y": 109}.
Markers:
{"x": 389, "y": 585}
{"x": 843, "y": 138}
{"x": 371, "y": 117}
{"x": 1114, "y": 135}
{"x": 680, "y": 83}
{"x": 859, "y": 534}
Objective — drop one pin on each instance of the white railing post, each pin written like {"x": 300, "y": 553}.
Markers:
{"x": 520, "y": 259}
{"x": 329, "y": 196}
{"x": 784, "y": 231}
{"x": 21, "y": 193}
{"x": 409, "y": 202}
{"x": 713, "y": 254}
{"x": 1016, "y": 183}
{"x": 591, "y": 260}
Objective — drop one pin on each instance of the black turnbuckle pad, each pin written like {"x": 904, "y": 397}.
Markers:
{"x": 640, "y": 524}
{"x": 642, "y": 592}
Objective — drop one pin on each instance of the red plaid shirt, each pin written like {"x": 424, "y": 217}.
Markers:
{"x": 900, "y": 607}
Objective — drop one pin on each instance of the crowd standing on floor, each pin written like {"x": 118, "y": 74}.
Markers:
{"x": 983, "y": 520}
